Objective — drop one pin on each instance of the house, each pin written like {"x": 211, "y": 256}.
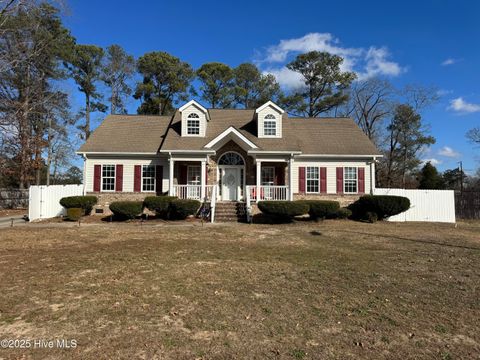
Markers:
{"x": 228, "y": 155}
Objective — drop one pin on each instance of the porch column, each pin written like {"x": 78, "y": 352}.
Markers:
{"x": 170, "y": 176}
{"x": 259, "y": 177}
{"x": 290, "y": 179}
{"x": 372, "y": 177}
{"x": 203, "y": 185}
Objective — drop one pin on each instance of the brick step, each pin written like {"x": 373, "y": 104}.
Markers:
{"x": 230, "y": 212}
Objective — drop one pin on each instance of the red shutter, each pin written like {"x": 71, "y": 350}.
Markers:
{"x": 183, "y": 175}
{"x": 339, "y": 180}
{"x": 361, "y": 180}
{"x": 119, "y": 178}
{"x": 159, "y": 179}
{"x": 301, "y": 179}
{"x": 137, "y": 178}
{"x": 323, "y": 180}
{"x": 97, "y": 177}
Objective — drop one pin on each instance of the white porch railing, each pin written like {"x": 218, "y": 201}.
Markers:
{"x": 193, "y": 192}
{"x": 213, "y": 201}
{"x": 267, "y": 193}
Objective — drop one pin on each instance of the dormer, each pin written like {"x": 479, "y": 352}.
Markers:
{"x": 194, "y": 119}
{"x": 269, "y": 120}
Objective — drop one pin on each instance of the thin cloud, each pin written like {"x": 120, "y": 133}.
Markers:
{"x": 459, "y": 105}
{"x": 449, "y": 152}
{"x": 449, "y": 61}
{"x": 366, "y": 62}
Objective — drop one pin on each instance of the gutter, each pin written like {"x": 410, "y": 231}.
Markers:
{"x": 339, "y": 156}
{"x": 114, "y": 153}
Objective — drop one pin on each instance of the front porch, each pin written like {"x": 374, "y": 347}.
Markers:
{"x": 230, "y": 176}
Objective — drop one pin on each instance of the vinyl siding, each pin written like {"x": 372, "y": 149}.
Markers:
{"x": 128, "y": 170}
{"x": 331, "y": 166}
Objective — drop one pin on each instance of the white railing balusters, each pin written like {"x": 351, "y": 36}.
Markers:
{"x": 267, "y": 192}
{"x": 192, "y": 192}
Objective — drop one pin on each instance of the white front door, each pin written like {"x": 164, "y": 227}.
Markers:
{"x": 230, "y": 183}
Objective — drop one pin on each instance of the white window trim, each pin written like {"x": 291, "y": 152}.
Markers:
{"x": 275, "y": 121}
{"x": 356, "y": 179}
{"x": 306, "y": 180}
{"x": 193, "y": 118}
{"x": 200, "y": 174}
{"x": 154, "y": 180}
{"x": 109, "y": 177}
{"x": 273, "y": 172}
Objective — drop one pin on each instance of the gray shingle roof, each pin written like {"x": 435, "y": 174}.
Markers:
{"x": 140, "y": 133}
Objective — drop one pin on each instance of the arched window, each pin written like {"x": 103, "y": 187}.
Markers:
{"x": 231, "y": 158}
{"x": 193, "y": 124}
{"x": 270, "y": 125}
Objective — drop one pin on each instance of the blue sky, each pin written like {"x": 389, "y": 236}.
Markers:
{"x": 433, "y": 43}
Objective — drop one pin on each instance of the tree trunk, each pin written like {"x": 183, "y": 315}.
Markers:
{"x": 87, "y": 116}
{"x": 49, "y": 151}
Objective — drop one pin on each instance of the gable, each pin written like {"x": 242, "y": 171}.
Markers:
{"x": 231, "y": 134}
{"x": 194, "y": 119}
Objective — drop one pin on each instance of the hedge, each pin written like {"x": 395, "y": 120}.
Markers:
{"x": 74, "y": 214}
{"x": 84, "y": 202}
{"x": 320, "y": 209}
{"x": 126, "y": 209}
{"x": 161, "y": 205}
{"x": 283, "y": 209}
{"x": 343, "y": 213}
{"x": 382, "y": 205}
{"x": 181, "y": 208}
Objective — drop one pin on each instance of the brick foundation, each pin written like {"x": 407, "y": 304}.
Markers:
{"x": 105, "y": 199}
{"x": 344, "y": 200}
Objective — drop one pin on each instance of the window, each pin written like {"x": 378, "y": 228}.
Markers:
{"x": 312, "y": 179}
{"x": 231, "y": 158}
{"x": 268, "y": 175}
{"x": 193, "y": 124}
{"x": 193, "y": 175}
{"x": 350, "y": 180}
{"x": 108, "y": 177}
{"x": 193, "y": 178}
{"x": 270, "y": 125}
{"x": 148, "y": 178}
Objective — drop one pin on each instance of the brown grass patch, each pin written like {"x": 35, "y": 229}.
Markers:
{"x": 329, "y": 290}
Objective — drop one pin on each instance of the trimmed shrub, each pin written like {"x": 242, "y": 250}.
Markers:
{"x": 181, "y": 208}
{"x": 84, "y": 202}
{"x": 161, "y": 205}
{"x": 343, "y": 213}
{"x": 370, "y": 217}
{"x": 382, "y": 205}
{"x": 322, "y": 209}
{"x": 284, "y": 210}
{"x": 74, "y": 214}
{"x": 124, "y": 210}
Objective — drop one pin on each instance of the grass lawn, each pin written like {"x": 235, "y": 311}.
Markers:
{"x": 331, "y": 290}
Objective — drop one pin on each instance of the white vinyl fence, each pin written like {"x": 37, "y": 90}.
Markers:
{"x": 425, "y": 205}
{"x": 43, "y": 202}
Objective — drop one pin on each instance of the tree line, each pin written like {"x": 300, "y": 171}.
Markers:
{"x": 38, "y": 53}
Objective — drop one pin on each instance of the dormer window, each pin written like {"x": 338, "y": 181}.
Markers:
{"x": 270, "y": 125}
{"x": 193, "y": 124}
